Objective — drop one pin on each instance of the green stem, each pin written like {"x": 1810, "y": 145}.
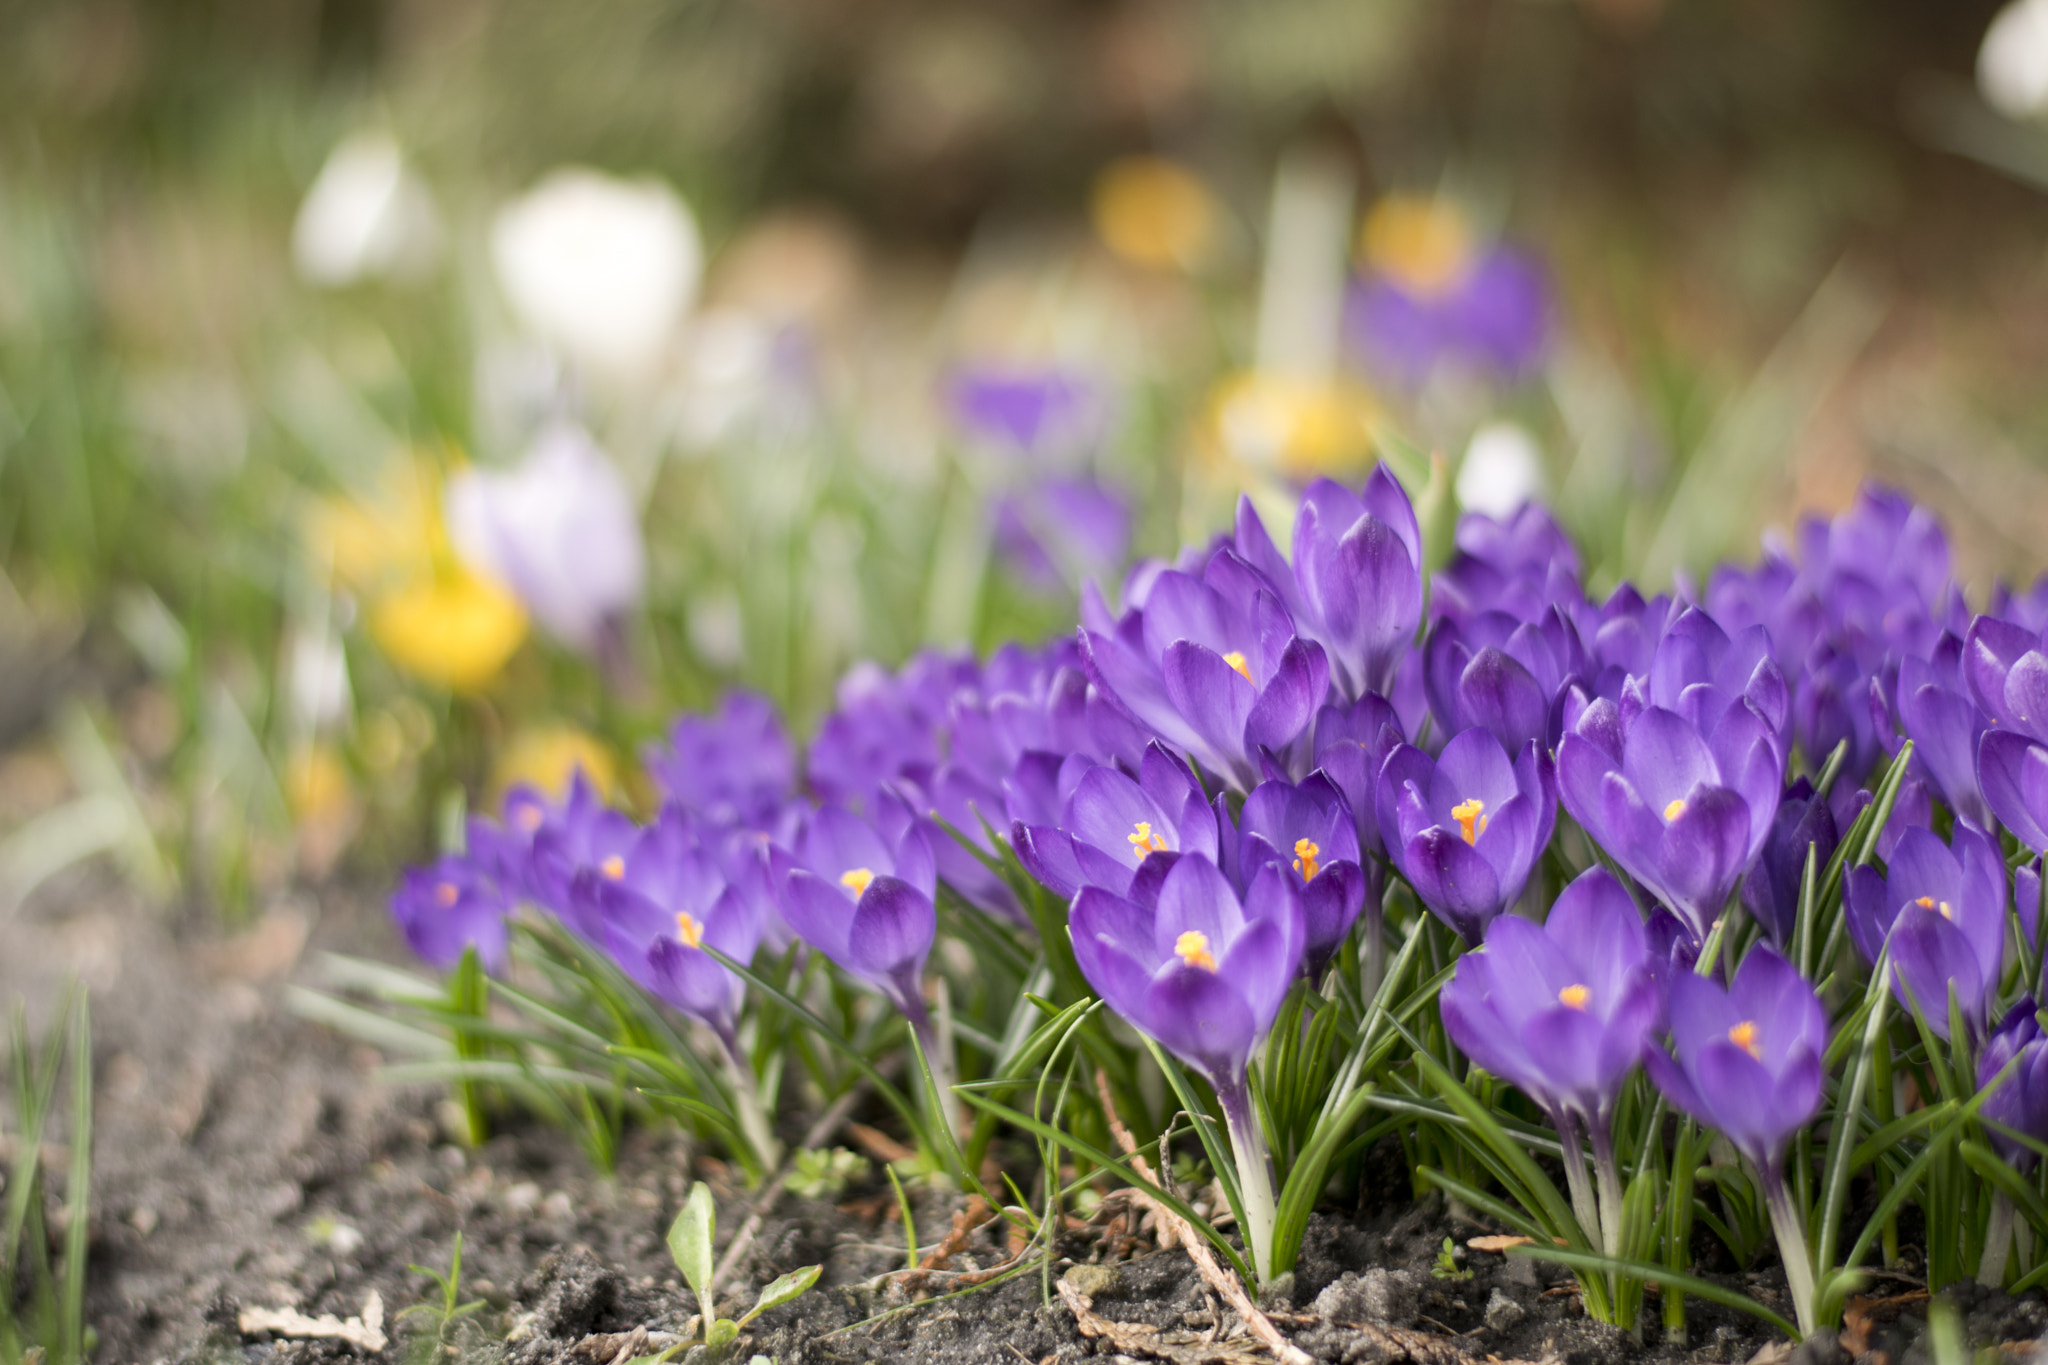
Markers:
{"x": 1254, "y": 1171}
{"x": 1791, "y": 1230}
{"x": 748, "y": 1109}
{"x": 1997, "y": 1242}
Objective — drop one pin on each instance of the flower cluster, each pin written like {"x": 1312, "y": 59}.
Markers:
{"x": 1219, "y": 780}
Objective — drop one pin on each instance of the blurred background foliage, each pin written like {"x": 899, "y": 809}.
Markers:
{"x": 1787, "y": 247}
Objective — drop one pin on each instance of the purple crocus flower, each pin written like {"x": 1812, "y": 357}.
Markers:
{"x": 1203, "y": 973}
{"x": 735, "y": 767}
{"x": 1942, "y": 910}
{"x": 1561, "y": 1011}
{"x": 672, "y": 901}
{"x": 1355, "y": 585}
{"x": 1748, "y": 1058}
{"x": 1521, "y": 565}
{"x": 581, "y": 834}
{"x": 862, "y": 901}
{"x": 1684, "y": 811}
{"x": 561, "y": 531}
{"x": 1936, "y": 711}
{"x": 1062, "y": 532}
{"x": 1496, "y": 318}
{"x": 1770, "y": 889}
{"x": 451, "y": 906}
{"x": 1500, "y": 673}
{"x": 1466, "y": 828}
{"x": 2006, "y": 668}
{"x": 1113, "y": 828}
{"x": 2021, "y": 1102}
{"x": 1212, "y": 665}
{"x": 1023, "y": 411}
{"x": 1306, "y": 830}
{"x": 1351, "y": 746}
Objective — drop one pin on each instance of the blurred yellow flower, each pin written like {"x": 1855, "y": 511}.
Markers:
{"x": 1153, "y": 212}
{"x": 548, "y": 756}
{"x": 451, "y": 627}
{"x": 322, "y": 801}
{"x": 316, "y": 784}
{"x": 1296, "y": 428}
{"x": 394, "y": 534}
{"x": 1424, "y": 245}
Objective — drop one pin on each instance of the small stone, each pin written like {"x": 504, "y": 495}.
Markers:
{"x": 1503, "y": 1313}
{"x": 557, "y": 1206}
{"x": 143, "y": 1220}
{"x": 1377, "y": 1296}
{"x": 1094, "y": 1280}
{"x": 522, "y": 1198}
{"x": 344, "y": 1241}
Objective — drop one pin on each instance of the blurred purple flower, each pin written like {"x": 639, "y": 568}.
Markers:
{"x": 1028, "y": 411}
{"x": 1062, "y": 532}
{"x": 1466, "y": 828}
{"x": 734, "y": 767}
{"x": 451, "y": 906}
{"x": 1497, "y": 318}
{"x": 560, "y": 531}
{"x": 1936, "y": 711}
{"x": 673, "y": 900}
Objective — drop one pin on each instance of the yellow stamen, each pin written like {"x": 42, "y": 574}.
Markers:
{"x": 447, "y": 893}
{"x": 1743, "y": 1035}
{"x": 1925, "y": 902}
{"x": 1306, "y": 851}
{"x": 613, "y": 867}
{"x": 1574, "y": 997}
{"x": 1674, "y": 810}
{"x": 1471, "y": 823}
{"x": 688, "y": 930}
{"x": 1143, "y": 841}
{"x": 1192, "y": 948}
{"x": 856, "y": 881}
{"x": 1236, "y": 661}
{"x": 528, "y": 818}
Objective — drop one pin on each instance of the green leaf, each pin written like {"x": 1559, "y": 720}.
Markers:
{"x": 721, "y": 1334}
{"x": 689, "y": 1241}
{"x": 782, "y": 1289}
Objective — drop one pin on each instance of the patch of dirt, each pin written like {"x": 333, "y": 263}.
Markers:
{"x": 247, "y": 1159}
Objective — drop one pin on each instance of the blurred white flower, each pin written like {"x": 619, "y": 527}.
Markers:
{"x": 728, "y": 359}
{"x": 1501, "y": 471}
{"x": 318, "y": 673}
{"x": 366, "y": 217}
{"x": 2012, "y": 66}
{"x": 560, "y": 531}
{"x": 602, "y": 268}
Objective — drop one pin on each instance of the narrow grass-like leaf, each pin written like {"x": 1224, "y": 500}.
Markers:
{"x": 1087, "y": 1150}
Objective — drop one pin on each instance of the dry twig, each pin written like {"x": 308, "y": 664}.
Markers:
{"x": 1224, "y": 1282}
